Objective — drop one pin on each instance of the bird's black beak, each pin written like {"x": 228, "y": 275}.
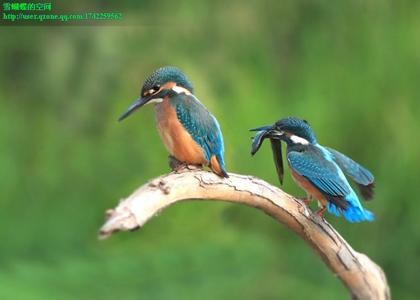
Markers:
{"x": 275, "y": 137}
{"x": 134, "y": 106}
{"x": 262, "y": 128}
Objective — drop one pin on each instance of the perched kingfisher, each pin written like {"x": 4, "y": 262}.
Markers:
{"x": 318, "y": 170}
{"x": 189, "y": 131}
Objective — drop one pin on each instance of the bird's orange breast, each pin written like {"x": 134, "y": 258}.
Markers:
{"x": 176, "y": 138}
{"x": 309, "y": 188}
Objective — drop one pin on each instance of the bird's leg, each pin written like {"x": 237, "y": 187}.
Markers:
{"x": 307, "y": 200}
{"x": 175, "y": 164}
{"x": 321, "y": 211}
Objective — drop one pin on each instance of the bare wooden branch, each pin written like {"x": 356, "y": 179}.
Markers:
{"x": 362, "y": 277}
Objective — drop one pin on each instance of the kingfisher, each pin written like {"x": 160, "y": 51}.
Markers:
{"x": 320, "y": 171}
{"x": 190, "y": 133}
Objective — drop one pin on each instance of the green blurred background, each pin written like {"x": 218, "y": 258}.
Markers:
{"x": 351, "y": 68}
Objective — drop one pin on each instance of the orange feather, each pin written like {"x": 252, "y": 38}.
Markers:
{"x": 176, "y": 138}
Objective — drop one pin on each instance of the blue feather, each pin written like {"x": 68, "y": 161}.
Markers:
{"x": 315, "y": 164}
{"x": 357, "y": 172}
{"x": 323, "y": 173}
{"x": 360, "y": 175}
{"x": 354, "y": 212}
{"x": 201, "y": 125}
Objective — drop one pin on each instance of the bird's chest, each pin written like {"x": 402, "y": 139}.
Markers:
{"x": 176, "y": 139}
{"x": 309, "y": 188}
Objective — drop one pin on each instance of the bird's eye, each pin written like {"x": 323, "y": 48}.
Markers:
{"x": 155, "y": 89}
{"x": 152, "y": 90}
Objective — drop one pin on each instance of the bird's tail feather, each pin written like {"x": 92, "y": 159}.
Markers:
{"x": 218, "y": 166}
{"x": 352, "y": 213}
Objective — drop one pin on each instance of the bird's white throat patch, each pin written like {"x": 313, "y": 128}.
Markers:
{"x": 298, "y": 140}
{"x": 156, "y": 100}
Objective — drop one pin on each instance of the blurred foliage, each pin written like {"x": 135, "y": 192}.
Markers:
{"x": 351, "y": 68}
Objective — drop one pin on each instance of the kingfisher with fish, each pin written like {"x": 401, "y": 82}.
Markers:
{"x": 320, "y": 171}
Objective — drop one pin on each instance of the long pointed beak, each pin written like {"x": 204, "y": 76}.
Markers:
{"x": 263, "y": 128}
{"x": 133, "y": 107}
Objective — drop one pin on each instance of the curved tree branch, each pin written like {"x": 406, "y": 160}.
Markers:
{"x": 362, "y": 277}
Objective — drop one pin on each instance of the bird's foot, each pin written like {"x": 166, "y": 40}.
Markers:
{"x": 320, "y": 212}
{"x": 175, "y": 164}
{"x": 178, "y": 166}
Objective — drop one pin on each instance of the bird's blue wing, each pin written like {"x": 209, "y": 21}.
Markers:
{"x": 356, "y": 172}
{"x": 327, "y": 176}
{"x": 201, "y": 125}
{"x": 322, "y": 173}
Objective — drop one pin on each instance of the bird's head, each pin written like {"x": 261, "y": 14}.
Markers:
{"x": 165, "y": 81}
{"x": 291, "y": 130}
{"x": 296, "y": 130}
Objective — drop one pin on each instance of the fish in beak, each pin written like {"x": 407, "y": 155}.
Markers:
{"x": 271, "y": 133}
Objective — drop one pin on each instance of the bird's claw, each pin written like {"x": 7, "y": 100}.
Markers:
{"x": 178, "y": 166}
{"x": 320, "y": 213}
{"x": 175, "y": 164}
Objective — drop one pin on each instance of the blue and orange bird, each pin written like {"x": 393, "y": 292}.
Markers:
{"x": 189, "y": 131}
{"x": 318, "y": 170}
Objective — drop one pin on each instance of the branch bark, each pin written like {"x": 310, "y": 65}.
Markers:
{"x": 362, "y": 277}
